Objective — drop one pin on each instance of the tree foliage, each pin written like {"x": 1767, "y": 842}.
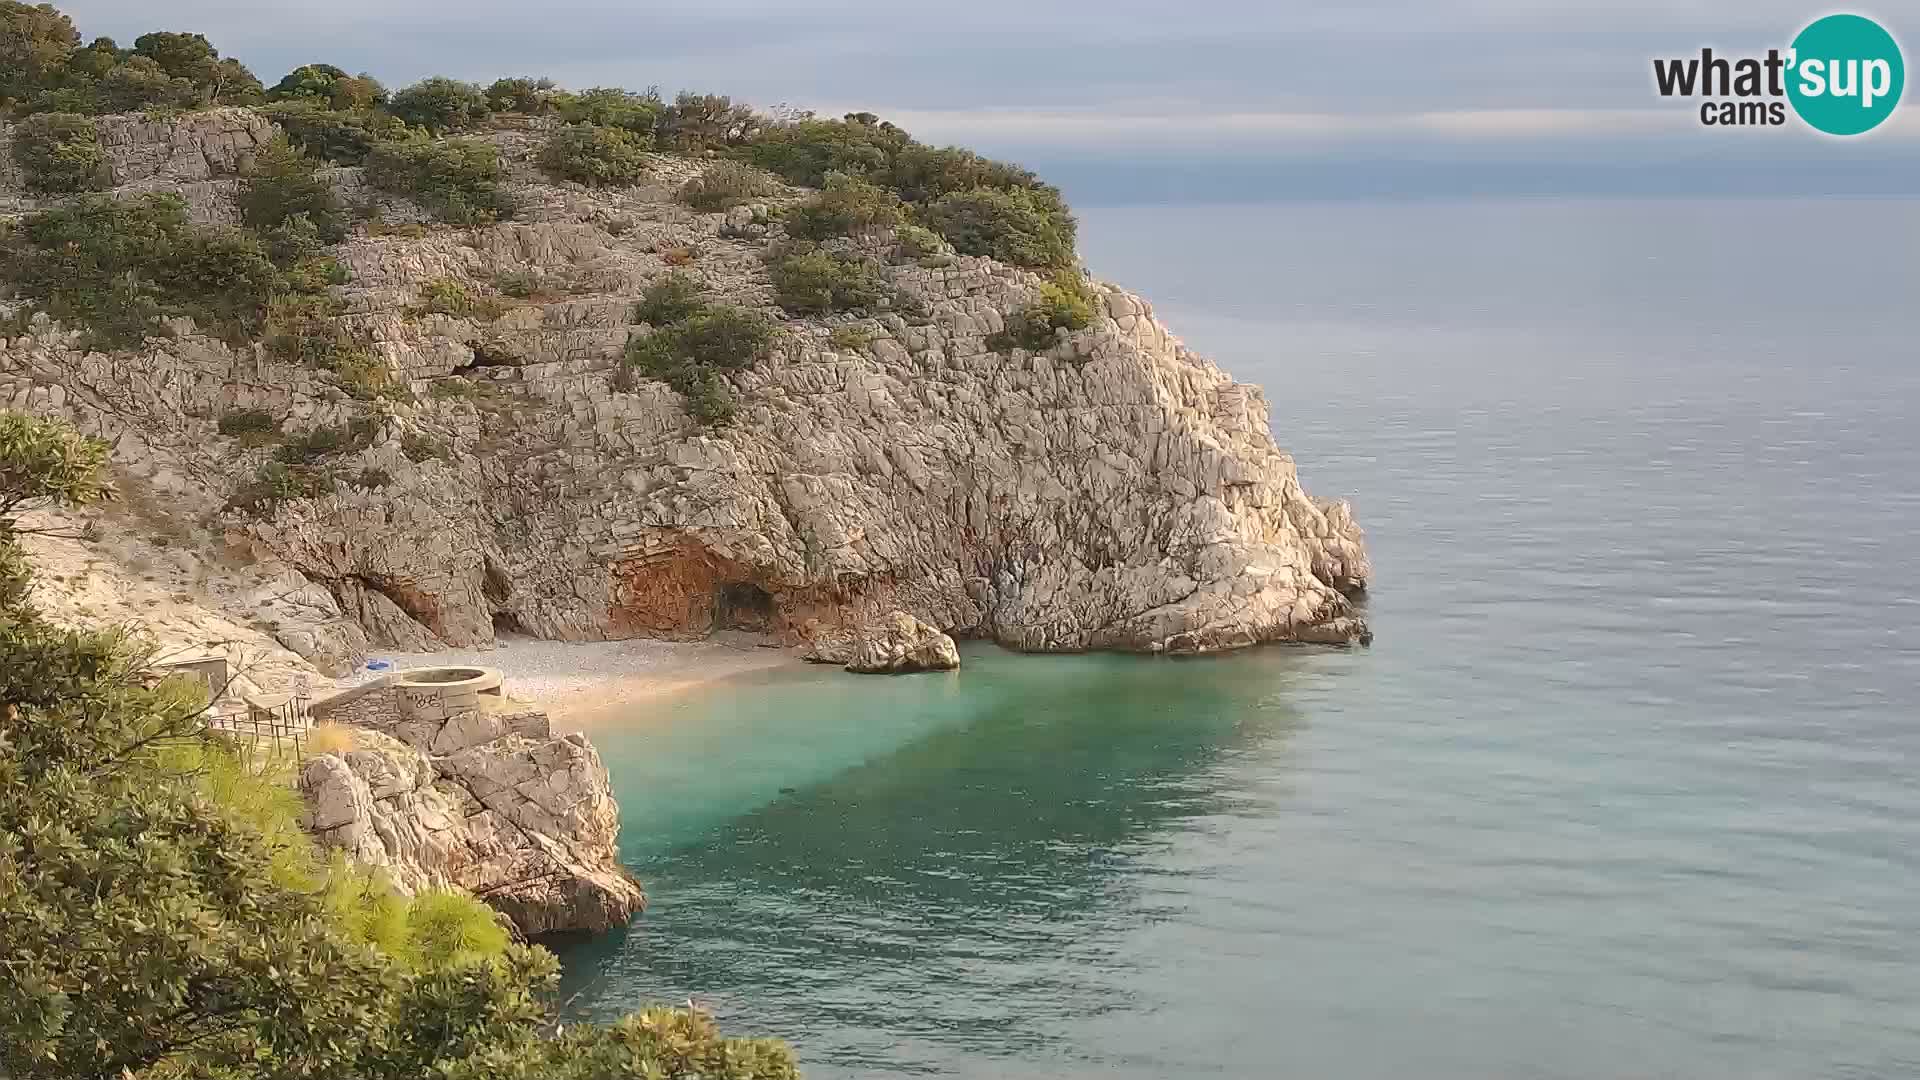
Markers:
{"x": 440, "y": 104}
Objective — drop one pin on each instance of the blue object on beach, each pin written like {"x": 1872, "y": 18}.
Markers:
{"x": 378, "y": 665}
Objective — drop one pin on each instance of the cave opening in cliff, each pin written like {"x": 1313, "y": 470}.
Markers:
{"x": 744, "y": 606}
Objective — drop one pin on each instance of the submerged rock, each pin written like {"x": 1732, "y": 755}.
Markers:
{"x": 524, "y": 820}
{"x": 899, "y": 644}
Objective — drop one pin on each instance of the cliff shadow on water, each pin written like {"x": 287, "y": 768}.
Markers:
{"x": 962, "y": 827}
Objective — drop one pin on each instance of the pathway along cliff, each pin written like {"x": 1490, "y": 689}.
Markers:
{"x": 493, "y": 466}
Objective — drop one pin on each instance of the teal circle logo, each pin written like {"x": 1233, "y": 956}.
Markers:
{"x": 1845, "y": 74}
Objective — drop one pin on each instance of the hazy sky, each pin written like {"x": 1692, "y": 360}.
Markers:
{"x": 1125, "y": 100}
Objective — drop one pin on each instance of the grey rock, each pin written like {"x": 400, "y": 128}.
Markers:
{"x": 521, "y": 819}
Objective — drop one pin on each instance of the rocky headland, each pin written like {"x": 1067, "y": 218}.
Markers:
{"x": 1110, "y": 491}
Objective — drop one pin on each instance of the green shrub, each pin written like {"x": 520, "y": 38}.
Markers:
{"x": 457, "y": 179}
{"x": 607, "y": 106}
{"x": 806, "y": 151}
{"x": 315, "y": 445}
{"x": 116, "y": 267}
{"x": 727, "y": 184}
{"x": 305, "y": 330}
{"x": 690, "y": 353}
{"x": 444, "y": 296}
{"x": 669, "y": 300}
{"x": 342, "y": 136}
{"x": 331, "y": 87}
{"x": 253, "y": 427}
{"x": 1023, "y": 226}
{"x": 850, "y": 338}
{"x": 59, "y": 153}
{"x": 715, "y": 337}
{"x": 924, "y": 173}
{"x": 596, "y": 156}
{"x": 281, "y": 186}
{"x": 696, "y": 121}
{"x": 1064, "y": 303}
{"x": 419, "y": 447}
{"x": 520, "y": 95}
{"x": 440, "y": 104}
{"x": 276, "y": 482}
{"x": 849, "y": 206}
{"x": 916, "y": 241}
{"x": 814, "y": 282}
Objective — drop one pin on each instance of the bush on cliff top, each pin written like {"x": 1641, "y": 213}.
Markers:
{"x": 165, "y": 914}
{"x": 440, "y": 105}
{"x": 596, "y": 156}
{"x": 725, "y": 185}
{"x": 1022, "y": 226}
{"x": 457, "y": 179}
{"x": 848, "y": 206}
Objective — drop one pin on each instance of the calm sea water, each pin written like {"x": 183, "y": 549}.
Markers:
{"x": 1627, "y": 786}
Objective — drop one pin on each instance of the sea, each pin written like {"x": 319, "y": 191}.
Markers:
{"x": 1628, "y": 784}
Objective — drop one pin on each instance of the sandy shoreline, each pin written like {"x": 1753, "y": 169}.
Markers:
{"x": 581, "y": 682}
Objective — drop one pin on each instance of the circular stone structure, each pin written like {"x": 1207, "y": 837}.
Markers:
{"x": 438, "y": 693}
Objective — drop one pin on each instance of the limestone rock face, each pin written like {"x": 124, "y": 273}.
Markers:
{"x": 899, "y": 644}
{"x": 1115, "y": 491}
{"x": 494, "y": 805}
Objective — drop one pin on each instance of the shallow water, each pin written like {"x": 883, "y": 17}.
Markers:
{"x": 1625, "y": 787}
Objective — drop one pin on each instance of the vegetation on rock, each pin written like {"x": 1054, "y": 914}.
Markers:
{"x": 596, "y": 156}
{"x": 43, "y": 68}
{"x": 59, "y": 153}
{"x": 727, "y": 184}
{"x": 119, "y": 266}
{"x": 281, "y": 186}
{"x": 1063, "y": 303}
{"x": 694, "y": 343}
{"x": 440, "y": 105}
{"x": 814, "y": 281}
{"x": 458, "y": 180}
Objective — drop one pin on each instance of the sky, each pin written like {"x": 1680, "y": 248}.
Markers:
{"x": 1128, "y": 101}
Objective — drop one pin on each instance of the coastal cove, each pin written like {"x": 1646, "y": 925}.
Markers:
{"x": 1621, "y": 788}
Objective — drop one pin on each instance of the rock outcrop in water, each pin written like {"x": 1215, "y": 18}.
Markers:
{"x": 896, "y": 645}
{"x": 1115, "y": 491}
{"x": 491, "y": 803}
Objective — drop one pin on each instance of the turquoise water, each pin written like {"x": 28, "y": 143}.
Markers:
{"x": 1625, "y": 787}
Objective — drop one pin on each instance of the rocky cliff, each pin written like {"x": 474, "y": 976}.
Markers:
{"x": 1115, "y": 491}
{"x": 489, "y": 802}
